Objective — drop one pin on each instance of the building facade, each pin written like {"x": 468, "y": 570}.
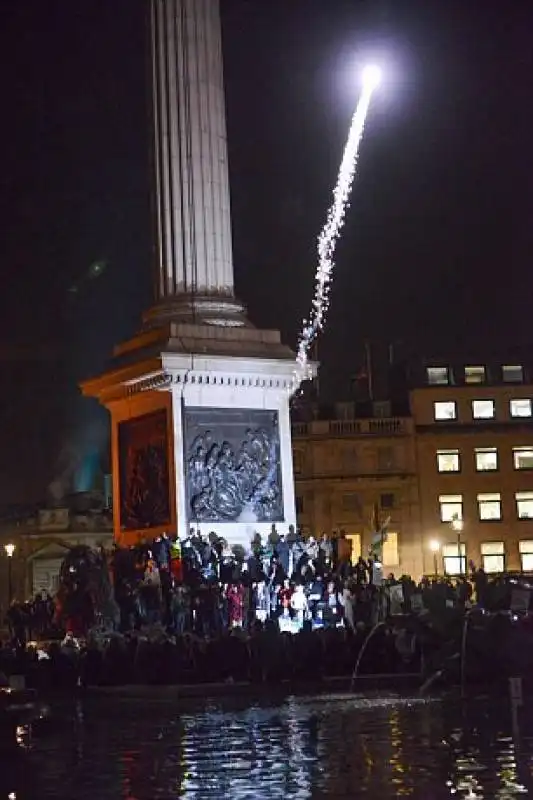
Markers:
{"x": 348, "y": 471}
{"x": 474, "y": 451}
{"x": 455, "y": 477}
{"x": 41, "y": 540}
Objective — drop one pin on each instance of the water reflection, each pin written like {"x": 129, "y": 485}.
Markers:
{"x": 302, "y": 748}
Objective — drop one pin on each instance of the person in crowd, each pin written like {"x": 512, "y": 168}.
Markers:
{"x": 299, "y": 604}
{"x": 285, "y": 596}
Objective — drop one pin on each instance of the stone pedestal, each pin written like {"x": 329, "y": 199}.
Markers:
{"x": 201, "y": 432}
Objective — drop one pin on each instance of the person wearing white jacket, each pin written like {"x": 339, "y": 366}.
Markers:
{"x": 299, "y": 603}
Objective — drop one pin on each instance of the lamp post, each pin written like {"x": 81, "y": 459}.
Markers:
{"x": 457, "y": 526}
{"x": 434, "y": 546}
{"x": 10, "y": 550}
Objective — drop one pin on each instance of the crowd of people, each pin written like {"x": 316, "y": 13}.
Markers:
{"x": 195, "y": 610}
{"x": 202, "y": 587}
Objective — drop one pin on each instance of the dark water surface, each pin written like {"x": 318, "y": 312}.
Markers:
{"x": 317, "y": 747}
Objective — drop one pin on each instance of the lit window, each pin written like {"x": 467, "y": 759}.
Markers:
{"x": 526, "y": 555}
{"x": 524, "y": 505}
{"x": 523, "y": 457}
{"x": 512, "y": 373}
{"x": 486, "y": 459}
{"x": 438, "y": 376}
{"x": 445, "y": 409}
{"x": 474, "y": 374}
{"x": 355, "y": 541}
{"x": 493, "y": 556}
{"x": 489, "y": 506}
{"x": 390, "y": 555}
{"x": 483, "y": 409}
{"x": 454, "y": 558}
{"x": 448, "y": 461}
{"x": 520, "y": 407}
{"x": 451, "y": 507}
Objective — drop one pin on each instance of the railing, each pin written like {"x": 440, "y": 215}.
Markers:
{"x": 395, "y": 426}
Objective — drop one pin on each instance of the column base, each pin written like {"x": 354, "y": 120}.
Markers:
{"x": 210, "y": 309}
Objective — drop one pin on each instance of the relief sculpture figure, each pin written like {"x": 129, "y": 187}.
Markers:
{"x": 224, "y": 485}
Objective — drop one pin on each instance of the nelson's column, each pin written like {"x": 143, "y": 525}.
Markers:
{"x": 199, "y": 399}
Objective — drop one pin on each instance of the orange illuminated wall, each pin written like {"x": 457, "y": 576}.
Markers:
{"x": 143, "y": 460}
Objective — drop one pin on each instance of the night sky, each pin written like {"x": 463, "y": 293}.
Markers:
{"x": 437, "y": 242}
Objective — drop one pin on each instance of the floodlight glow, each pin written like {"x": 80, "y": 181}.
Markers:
{"x": 371, "y": 76}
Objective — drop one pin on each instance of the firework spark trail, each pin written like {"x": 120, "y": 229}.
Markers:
{"x": 327, "y": 241}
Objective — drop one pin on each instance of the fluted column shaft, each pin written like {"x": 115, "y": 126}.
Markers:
{"x": 192, "y": 201}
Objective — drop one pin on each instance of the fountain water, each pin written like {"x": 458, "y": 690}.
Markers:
{"x": 430, "y": 681}
{"x": 362, "y": 651}
{"x": 464, "y": 639}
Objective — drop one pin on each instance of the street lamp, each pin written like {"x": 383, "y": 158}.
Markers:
{"x": 10, "y": 550}
{"x": 457, "y": 525}
{"x": 434, "y": 546}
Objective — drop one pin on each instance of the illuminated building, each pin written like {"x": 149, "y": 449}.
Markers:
{"x": 344, "y": 467}
{"x": 455, "y": 476}
{"x": 474, "y": 450}
{"x": 42, "y": 537}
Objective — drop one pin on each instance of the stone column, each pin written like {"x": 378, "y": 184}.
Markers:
{"x": 194, "y": 263}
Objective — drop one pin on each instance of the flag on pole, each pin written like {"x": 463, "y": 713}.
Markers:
{"x": 379, "y": 534}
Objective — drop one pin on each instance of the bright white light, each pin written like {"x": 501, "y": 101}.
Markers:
{"x": 327, "y": 240}
{"x": 371, "y": 76}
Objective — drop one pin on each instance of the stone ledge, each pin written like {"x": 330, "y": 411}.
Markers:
{"x": 193, "y": 339}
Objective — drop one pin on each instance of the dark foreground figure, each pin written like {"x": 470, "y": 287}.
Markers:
{"x": 496, "y": 646}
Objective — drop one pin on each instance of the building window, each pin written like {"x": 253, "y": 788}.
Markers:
{"x": 298, "y": 460}
{"x": 391, "y": 557}
{"x": 355, "y": 541}
{"x": 385, "y": 459}
{"x": 489, "y": 506}
{"x": 448, "y": 461}
{"x": 349, "y": 458}
{"x": 445, "y": 410}
{"x": 526, "y": 555}
{"x": 512, "y": 373}
{"x": 474, "y": 375}
{"x": 483, "y": 409}
{"x": 299, "y": 504}
{"x": 486, "y": 459}
{"x": 454, "y": 558}
{"x": 387, "y": 500}
{"x": 524, "y": 505}
{"x": 451, "y": 507}
{"x": 523, "y": 457}
{"x": 520, "y": 407}
{"x": 352, "y": 502}
{"x": 438, "y": 376}
{"x": 382, "y": 409}
{"x": 493, "y": 556}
